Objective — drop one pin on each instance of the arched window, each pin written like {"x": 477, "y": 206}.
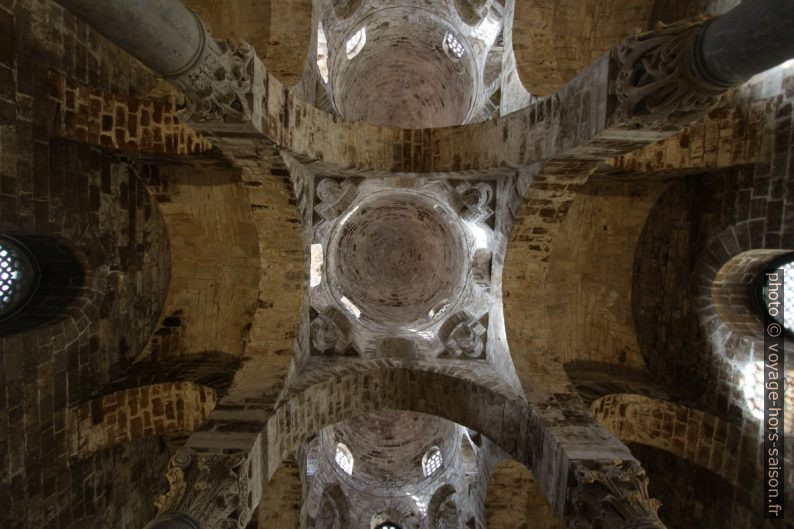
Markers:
{"x": 453, "y": 46}
{"x": 356, "y": 43}
{"x": 40, "y": 278}
{"x": 344, "y": 458}
{"x": 322, "y": 53}
{"x": 776, "y": 285}
{"x": 432, "y": 461}
{"x": 18, "y": 276}
{"x": 753, "y": 389}
{"x": 388, "y": 525}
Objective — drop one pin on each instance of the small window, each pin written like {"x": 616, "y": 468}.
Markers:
{"x": 18, "y": 276}
{"x": 322, "y": 53}
{"x": 388, "y": 525}
{"x": 356, "y": 43}
{"x": 316, "y": 268}
{"x": 453, "y": 46}
{"x": 776, "y": 287}
{"x": 311, "y": 466}
{"x": 351, "y": 307}
{"x": 432, "y": 461}
{"x": 344, "y": 458}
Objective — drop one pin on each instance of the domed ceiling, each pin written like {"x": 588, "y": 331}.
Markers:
{"x": 405, "y": 272}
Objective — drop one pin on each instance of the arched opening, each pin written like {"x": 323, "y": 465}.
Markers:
{"x": 442, "y": 511}
{"x": 432, "y": 461}
{"x": 40, "y": 278}
{"x": 19, "y": 276}
{"x": 344, "y": 458}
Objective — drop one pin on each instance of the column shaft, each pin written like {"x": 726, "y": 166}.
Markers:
{"x": 164, "y": 35}
{"x": 754, "y": 36}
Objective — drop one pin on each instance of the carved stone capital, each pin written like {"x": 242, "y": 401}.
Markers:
{"x": 612, "y": 495}
{"x": 222, "y": 86}
{"x": 211, "y": 491}
{"x": 659, "y": 80}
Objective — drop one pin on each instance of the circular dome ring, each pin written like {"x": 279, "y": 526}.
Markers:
{"x": 395, "y": 256}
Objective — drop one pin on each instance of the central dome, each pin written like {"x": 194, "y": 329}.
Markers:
{"x": 398, "y": 258}
{"x": 403, "y": 77}
{"x": 388, "y": 446}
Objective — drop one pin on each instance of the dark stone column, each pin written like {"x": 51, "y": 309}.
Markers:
{"x": 674, "y": 73}
{"x": 165, "y": 36}
{"x": 754, "y": 36}
{"x": 223, "y": 82}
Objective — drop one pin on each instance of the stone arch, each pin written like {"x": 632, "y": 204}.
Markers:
{"x": 514, "y": 500}
{"x": 669, "y": 426}
{"x": 311, "y": 407}
{"x": 212, "y": 369}
{"x": 554, "y": 279}
{"x": 334, "y": 512}
{"x": 135, "y": 413}
{"x": 215, "y": 261}
{"x": 517, "y": 139}
{"x": 442, "y": 510}
{"x": 594, "y": 380}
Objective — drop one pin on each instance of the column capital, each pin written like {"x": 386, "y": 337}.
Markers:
{"x": 611, "y": 495}
{"x": 207, "y": 491}
{"x": 224, "y": 88}
{"x": 660, "y": 79}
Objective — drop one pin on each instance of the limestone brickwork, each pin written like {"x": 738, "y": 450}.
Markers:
{"x": 90, "y": 115}
{"x": 128, "y": 415}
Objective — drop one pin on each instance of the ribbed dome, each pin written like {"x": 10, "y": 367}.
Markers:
{"x": 403, "y": 76}
{"x": 396, "y": 256}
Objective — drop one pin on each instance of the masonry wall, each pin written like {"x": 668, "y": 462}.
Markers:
{"x": 94, "y": 202}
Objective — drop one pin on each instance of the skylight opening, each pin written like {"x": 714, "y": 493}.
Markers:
{"x": 752, "y": 384}
{"x": 316, "y": 266}
{"x": 17, "y": 277}
{"x": 355, "y": 311}
{"x": 488, "y": 30}
{"x": 356, "y": 43}
{"x": 432, "y": 461}
{"x": 322, "y": 53}
{"x": 311, "y": 466}
{"x": 344, "y": 458}
{"x": 453, "y": 46}
{"x": 479, "y": 234}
